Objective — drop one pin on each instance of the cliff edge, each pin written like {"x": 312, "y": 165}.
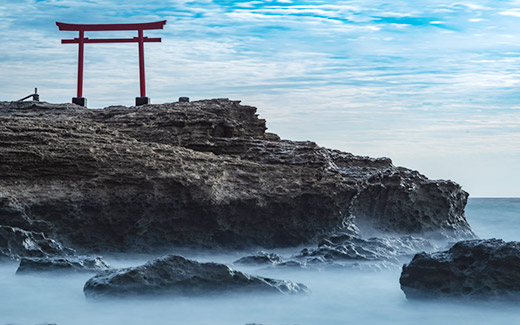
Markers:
{"x": 199, "y": 174}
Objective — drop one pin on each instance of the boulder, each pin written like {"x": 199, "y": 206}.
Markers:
{"x": 62, "y": 264}
{"x": 176, "y": 275}
{"x": 482, "y": 269}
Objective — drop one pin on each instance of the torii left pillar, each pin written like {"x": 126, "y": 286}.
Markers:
{"x": 81, "y": 40}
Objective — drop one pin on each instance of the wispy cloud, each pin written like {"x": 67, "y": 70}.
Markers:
{"x": 512, "y": 12}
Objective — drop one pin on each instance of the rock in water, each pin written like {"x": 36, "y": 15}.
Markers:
{"x": 199, "y": 174}
{"x": 62, "y": 264}
{"x": 260, "y": 258}
{"x": 351, "y": 247}
{"x": 470, "y": 269}
{"x": 176, "y": 275}
{"x": 16, "y": 243}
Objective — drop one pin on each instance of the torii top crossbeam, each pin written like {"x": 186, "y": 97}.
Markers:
{"x": 81, "y": 40}
{"x": 111, "y": 27}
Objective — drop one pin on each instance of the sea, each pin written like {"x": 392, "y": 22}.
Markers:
{"x": 339, "y": 296}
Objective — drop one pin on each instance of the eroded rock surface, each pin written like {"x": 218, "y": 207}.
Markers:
{"x": 348, "y": 247}
{"x": 62, "y": 264}
{"x": 199, "y": 174}
{"x": 348, "y": 250}
{"x": 16, "y": 243}
{"x": 480, "y": 269}
{"x": 176, "y": 275}
{"x": 260, "y": 258}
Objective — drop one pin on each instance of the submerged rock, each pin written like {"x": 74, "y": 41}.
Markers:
{"x": 470, "y": 269}
{"x": 348, "y": 250}
{"x": 176, "y": 275}
{"x": 349, "y": 247}
{"x": 199, "y": 174}
{"x": 16, "y": 243}
{"x": 62, "y": 264}
{"x": 260, "y": 258}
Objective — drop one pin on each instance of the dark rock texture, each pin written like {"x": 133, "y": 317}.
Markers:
{"x": 62, "y": 264}
{"x": 260, "y": 258}
{"x": 176, "y": 275}
{"x": 16, "y": 243}
{"x": 348, "y": 250}
{"x": 348, "y": 247}
{"x": 199, "y": 174}
{"x": 470, "y": 269}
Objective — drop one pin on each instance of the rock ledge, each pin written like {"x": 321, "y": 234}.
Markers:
{"x": 202, "y": 174}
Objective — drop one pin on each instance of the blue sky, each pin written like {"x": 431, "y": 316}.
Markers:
{"x": 434, "y": 85}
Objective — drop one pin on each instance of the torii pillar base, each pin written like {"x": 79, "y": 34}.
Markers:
{"x": 142, "y": 101}
{"x": 81, "y": 101}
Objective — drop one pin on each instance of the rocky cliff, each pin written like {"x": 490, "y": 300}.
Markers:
{"x": 199, "y": 174}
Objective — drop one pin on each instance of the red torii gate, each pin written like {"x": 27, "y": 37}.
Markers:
{"x": 81, "y": 40}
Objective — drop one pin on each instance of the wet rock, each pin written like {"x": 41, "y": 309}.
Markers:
{"x": 349, "y": 247}
{"x": 480, "y": 269}
{"x": 16, "y": 243}
{"x": 260, "y": 258}
{"x": 348, "y": 250}
{"x": 199, "y": 174}
{"x": 291, "y": 264}
{"x": 176, "y": 275}
{"x": 62, "y": 264}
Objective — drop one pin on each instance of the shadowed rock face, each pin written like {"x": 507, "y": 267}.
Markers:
{"x": 16, "y": 243}
{"x": 175, "y": 275}
{"x": 480, "y": 269}
{"x": 62, "y": 264}
{"x": 349, "y": 251}
{"x": 199, "y": 174}
{"x": 348, "y": 247}
{"x": 260, "y": 258}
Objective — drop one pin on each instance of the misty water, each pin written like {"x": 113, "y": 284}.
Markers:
{"x": 339, "y": 296}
